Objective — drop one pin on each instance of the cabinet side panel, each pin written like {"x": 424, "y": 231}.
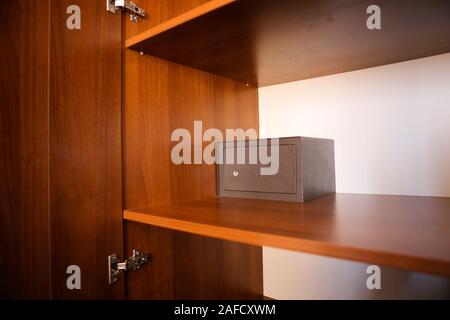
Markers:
{"x": 146, "y": 132}
{"x": 155, "y": 280}
{"x": 160, "y": 97}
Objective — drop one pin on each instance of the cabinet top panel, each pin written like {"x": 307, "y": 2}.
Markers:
{"x": 265, "y": 42}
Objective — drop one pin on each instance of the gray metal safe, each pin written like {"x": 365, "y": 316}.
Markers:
{"x": 305, "y": 171}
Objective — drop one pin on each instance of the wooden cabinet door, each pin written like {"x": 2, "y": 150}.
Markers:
{"x": 85, "y": 147}
{"x": 24, "y": 205}
{"x": 61, "y": 193}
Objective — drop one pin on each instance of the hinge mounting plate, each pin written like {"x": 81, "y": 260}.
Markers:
{"x": 125, "y": 5}
{"x": 133, "y": 263}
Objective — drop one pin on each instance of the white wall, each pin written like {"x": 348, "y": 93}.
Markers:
{"x": 391, "y": 127}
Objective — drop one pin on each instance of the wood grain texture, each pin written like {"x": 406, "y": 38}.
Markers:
{"x": 235, "y": 105}
{"x": 208, "y": 268}
{"x": 85, "y": 148}
{"x": 185, "y": 266}
{"x": 24, "y": 205}
{"x": 156, "y": 280}
{"x": 405, "y": 232}
{"x": 171, "y": 96}
{"x": 265, "y": 42}
{"x": 173, "y": 14}
{"x": 157, "y": 12}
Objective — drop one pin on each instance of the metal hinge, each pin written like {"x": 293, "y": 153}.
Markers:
{"x": 133, "y": 263}
{"x": 124, "y": 5}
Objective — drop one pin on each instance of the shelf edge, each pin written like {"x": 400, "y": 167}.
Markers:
{"x": 425, "y": 265}
{"x": 176, "y": 21}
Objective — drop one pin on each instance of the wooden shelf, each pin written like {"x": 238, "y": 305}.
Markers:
{"x": 265, "y": 42}
{"x": 405, "y": 232}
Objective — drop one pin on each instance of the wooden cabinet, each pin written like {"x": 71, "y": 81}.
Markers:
{"x": 205, "y": 63}
{"x": 86, "y": 122}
